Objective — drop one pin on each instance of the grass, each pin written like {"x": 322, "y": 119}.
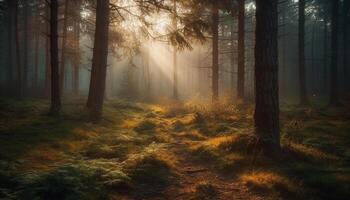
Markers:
{"x": 128, "y": 152}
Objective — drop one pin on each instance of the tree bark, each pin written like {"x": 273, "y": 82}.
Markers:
{"x": 241, "y": 50}
{"x": 232, "y": 57}
{"x": 55, "y": 86}
{"x": 25, "y": 47}
{"x": 76, "y": 61}
{"x": 17, "y": 54}
{"x": 36, "y": 51}
{"x": 99, "y": 61}
{"x": 64, "y": 47}
{"x": 47, "y": 56}
{"x": 175, "y": 86}
{"x": 346, "y": 8}
{"x": 334, "y": 98}
{"x": 10, "y": 32}
{"x": 215, "y": 53}
{"x": 266, "y": 76}
{"x": 301, "y": 51}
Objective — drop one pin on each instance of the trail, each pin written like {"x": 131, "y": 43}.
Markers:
{"x": 191, "y": 173}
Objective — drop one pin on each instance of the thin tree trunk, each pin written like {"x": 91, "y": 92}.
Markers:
{"x": 36, "y": 53}
{"x": 313, "y": 71}
{"x": 175, "y": 86}
{"x": 215, "y": 64}
{"x": 64, "y": 47}
{"x": 334, "y": 98}
{"x": 346, "y": 8}
{"x": 55, "y": 86}
{"x": 301, "y": 48}
{"x": 266, "y": 76}
{"x": 325, "y": 54}
{"x": 76, "y": 61}
{"x": 99, "y": 61}
{"x": 47, "y": 56}
{"x": 241, "y": 50}
{"x": 18, "y": 55}
{"x": 232, "y": 57}
{"x": 10, "y": 32}
{"x": 25, "y": 47}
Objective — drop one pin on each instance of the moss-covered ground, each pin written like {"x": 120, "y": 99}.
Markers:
{"x": 189, "y": 150}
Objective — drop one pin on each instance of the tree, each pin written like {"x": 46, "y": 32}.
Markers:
{"x": 10, "y": 32}
{"x": 55, "y": 87}
{"x": 175, "y": 86}
{"x": 215, "y": 52}
{"x": 17, "y": 53}
{"x": 99, "y": 61}
{"x": 301, "y": 52}
{"x": 266, "y": 76}
{"x": 334, "y": 98}
{"x": 241, "y": 50}
{"x": 25, "y": 46}
{"x": 346, "y": 9}
{"x": 64, "y": 47}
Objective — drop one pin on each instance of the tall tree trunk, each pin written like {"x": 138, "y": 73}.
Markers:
{"x": 313, "y": 71}
{"x": 99, "y": 61}
{"x": 301, "y": 51}
{"x": 334, "y": 98}
{"x": 215, "y": 53}
{"x": 36, "y": 51}
{"x": 25, "y": 47}
{"x": 241, "y": 50}
{"x": 232, "y": 57}
{"x": 36, "y": 61}
{"x": 17, "y": 54}
{"x": 266, "y": 76}
{"x": 47, "y": 56}
{"x": 10, "y": 32}
{"x": 64, "y": 47}
{"x": 325, "y": 54}
{"x": 346, "y": 8}
{"x": 76, "y": 61}
{"x": 55, "y": 86}
{"x": 175, "y": 86}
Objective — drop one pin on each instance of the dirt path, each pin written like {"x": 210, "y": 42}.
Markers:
{"x": 191, "y": 174}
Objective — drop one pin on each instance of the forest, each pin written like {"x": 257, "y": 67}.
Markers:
{"x": 174, "y": 99}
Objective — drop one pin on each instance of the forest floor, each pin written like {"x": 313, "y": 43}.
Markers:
{"x": 169, "y": 151}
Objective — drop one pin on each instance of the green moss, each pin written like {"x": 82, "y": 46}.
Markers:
{"x": 145, "y": 126}
{"x": 150, "y": 176}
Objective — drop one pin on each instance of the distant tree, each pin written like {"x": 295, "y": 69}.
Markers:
{"x": 26, "y": 39}
{"x": 215, "y": 52}
{"x": 175, "y": 68}
{"x": 99, "y": 61}
{"x": 241, "y": 50}
{"x": 301, "y": 52}
{"x": 55, "y": 86}
{"x": 64, "y": 47}
{"x": 266, "y": 76}
{"x": 17, "y": 54}
{"x": 334, "y": 96}
{"x": 346, "y": 19}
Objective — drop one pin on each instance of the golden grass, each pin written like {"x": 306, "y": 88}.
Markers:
{"x": 310, "y": 151}
{"x": 268, "y": 181}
